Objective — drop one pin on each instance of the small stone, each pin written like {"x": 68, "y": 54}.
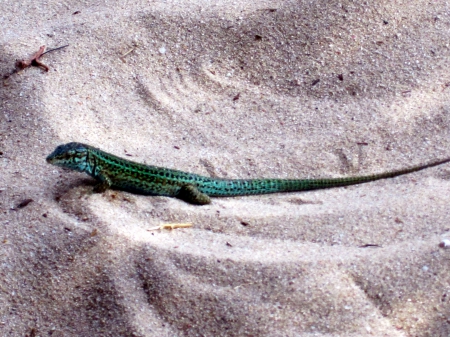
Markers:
{"x": 445, "y": 244}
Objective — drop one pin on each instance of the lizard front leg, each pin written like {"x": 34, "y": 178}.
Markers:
{"x": 104, "y": 183}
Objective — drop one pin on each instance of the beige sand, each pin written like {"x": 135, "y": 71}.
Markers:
{"x": 232, "y": 89}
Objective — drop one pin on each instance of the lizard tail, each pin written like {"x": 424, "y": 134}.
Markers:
{"x": 235, "y": 187}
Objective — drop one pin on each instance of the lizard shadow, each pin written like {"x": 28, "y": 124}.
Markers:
{"x": 66, "y": 186}
{"x": 68, "y": 194}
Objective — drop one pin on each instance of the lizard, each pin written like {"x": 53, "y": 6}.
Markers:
{"x": 117, "y": 173}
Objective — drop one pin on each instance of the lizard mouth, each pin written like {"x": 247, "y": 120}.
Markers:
{"x": 50, "y": 159}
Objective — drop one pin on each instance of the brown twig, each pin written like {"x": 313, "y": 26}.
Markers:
{"x": 54, "y": 49}
{"x": 33, "y": 61}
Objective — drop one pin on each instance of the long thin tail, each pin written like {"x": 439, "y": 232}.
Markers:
{"x": 336, "y": 182}
{"x": 234, "y": 187}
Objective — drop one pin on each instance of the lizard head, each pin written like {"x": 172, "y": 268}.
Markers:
{"x": 70, "y": 155}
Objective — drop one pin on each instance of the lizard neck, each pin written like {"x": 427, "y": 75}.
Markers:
{"x": 90, "y": 164}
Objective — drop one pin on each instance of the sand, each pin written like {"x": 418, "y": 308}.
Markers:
{"x": 236, "y": 89}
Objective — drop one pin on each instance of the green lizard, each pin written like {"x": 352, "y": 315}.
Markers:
{"x": 114, "y": 172}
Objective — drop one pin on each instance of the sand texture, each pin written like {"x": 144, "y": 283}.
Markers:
{"x": 235, "y": 89}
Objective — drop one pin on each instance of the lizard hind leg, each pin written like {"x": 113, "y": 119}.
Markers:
{"x": 192, "y": 195}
